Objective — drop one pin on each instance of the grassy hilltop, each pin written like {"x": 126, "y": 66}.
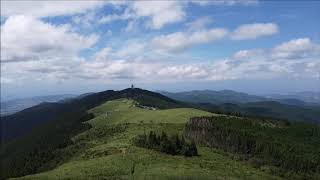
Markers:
{"x": 107, "y": 151}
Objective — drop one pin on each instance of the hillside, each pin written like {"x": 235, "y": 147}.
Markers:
{"x": 106, "y": 150}
{"x": 289, "y": 148}
{"x": 20, "y": 123}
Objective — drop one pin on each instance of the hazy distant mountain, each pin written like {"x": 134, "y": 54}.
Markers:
{"x": 214, "y": 97}
{"x": 227, "y": 101}
{"x": 229, "y": 96}
{"x": 307, "y": 96}
{"x": 15, "y": 105}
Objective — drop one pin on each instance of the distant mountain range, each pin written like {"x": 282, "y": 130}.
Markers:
{"x": 15, "y": 105}
{"x": 227, "y": 101}
{"x": 229, "y": 96}
{"x": 198, "y": 96}
{"x": 214, "y": 97}
{"x": 307, "y": 96}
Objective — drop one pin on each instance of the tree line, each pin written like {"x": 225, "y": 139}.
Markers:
{"x": 291, "y": 147}
{"x": 173, "y": 145}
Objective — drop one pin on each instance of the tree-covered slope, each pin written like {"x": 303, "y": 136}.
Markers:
{"x": 268, "y": 109}
{"x": 292, "y": 149}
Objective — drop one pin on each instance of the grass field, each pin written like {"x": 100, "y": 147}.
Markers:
{"x": 106, "y": 151}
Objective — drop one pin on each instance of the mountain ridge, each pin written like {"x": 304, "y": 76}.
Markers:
{"x": 17, "y": 124}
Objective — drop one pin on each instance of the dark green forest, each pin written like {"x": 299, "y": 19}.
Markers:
{"x": 173, "y": 145}
{"x": 293, "y": 148}
{"x": 45, "y": 144}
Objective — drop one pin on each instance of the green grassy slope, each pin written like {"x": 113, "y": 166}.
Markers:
{"x": 106, "y": 151}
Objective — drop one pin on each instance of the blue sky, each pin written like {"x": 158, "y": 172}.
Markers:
{"x": 258, "y": 47}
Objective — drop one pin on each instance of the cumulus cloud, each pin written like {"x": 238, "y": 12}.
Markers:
{"x": 226, "y": 2}
{"x": 103, "y": 54}
{"x": 132, "y": 26}
{"x": 26, "y": 38}
{"x": 115, "y": 17}
{"x": 159, "y": 12}
{"x": 200, "y": 23}
{"x": 253, "y": 31}
{"x": 297, "y": 57}
{"x": 297, "y": 48}
{"x": 300, "y": 48}
{"x": 245, "y": 64}
{"x": 131, "y": 49}
{"x": 48, "y": 8}
{"x": 313, "y": 68}
{"x": 156, "y": 14}
{"x": 56, "y": 47}
{"x": 179, "y": 41}
{"x": 183, "y": 71}
{"x": 198, "y": 33}
{"x": 248, "y": 54}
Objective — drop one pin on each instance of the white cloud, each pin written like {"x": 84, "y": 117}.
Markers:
{"x": 314, "y": 69}
{"x": 294, "y": 58}
{"x": 115, "y": 17}
{"x": 26, "y": 38}
{"x": 226, "y": 2}
{"x": 242, "y": 54}
{"x": 297, "y": 48}
{"x": 132, "y": 27}
{"x": 198, "y": 34}
{"x": 253, "y": 31}
{"x": 85, "y": 20}
{"x": 248, "y": 54}
{"x": 159, "y": 12}
{"x": 156, "y": 14}
{"x": 47, "y": 8}
{"x": 199, "y": 23}
{"x": 183, "y": 71}
{"x": 131, "y": 49}
{"x": 245, "y": 64}
{"x": 179, "y": 41}
{"x": 103, "y": 54}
